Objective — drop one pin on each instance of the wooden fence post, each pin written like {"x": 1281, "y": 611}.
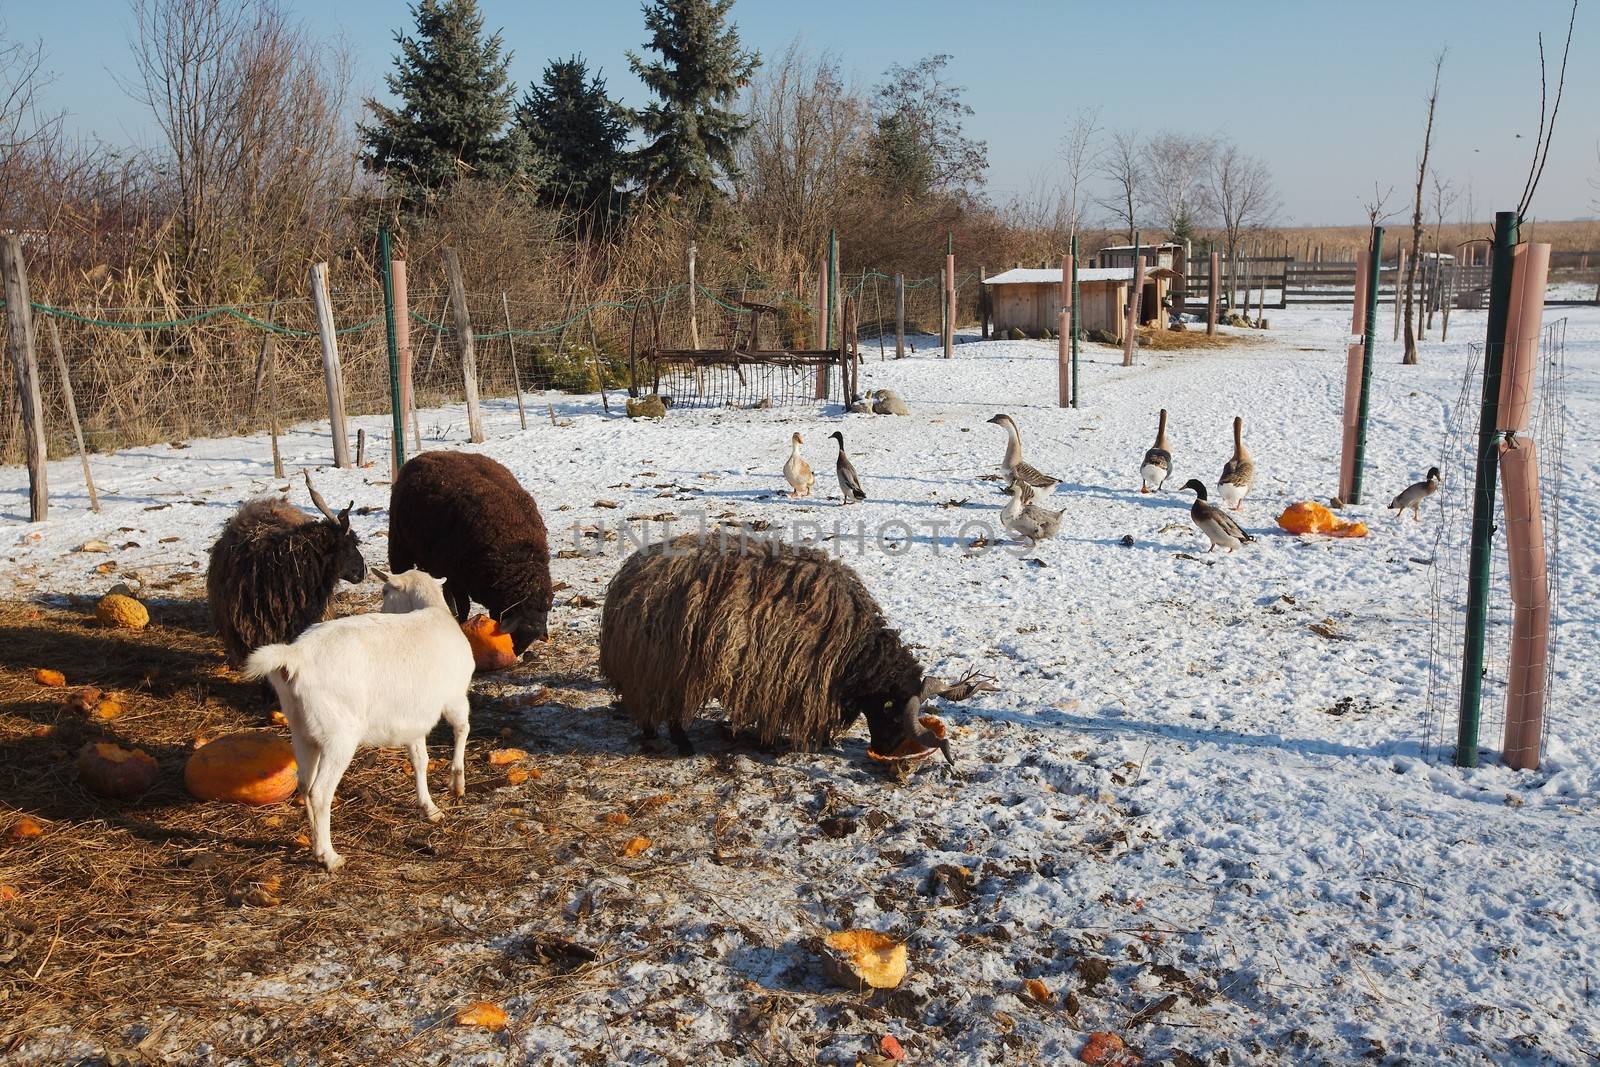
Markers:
{"x": 464, "y": 340}
{"x": 1135, "y": 298}
{"x": 516, "y": 377}
{"x": 72, "y": 412}
{"x": 1399, "y": 283}
{"x": 694, "y": 314}
{"x": 950, "y": 304}
{"x": 331, "y": 375}
{"x": 24, "y": 357}
{"x": 402, "y": 336}
{"x": 899, "y": 316}
{"x": 1211, "y": 293}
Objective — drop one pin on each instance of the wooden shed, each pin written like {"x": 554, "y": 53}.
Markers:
{"x": 1029, "y": 299}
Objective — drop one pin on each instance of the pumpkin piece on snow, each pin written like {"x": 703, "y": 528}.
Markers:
{"x": 253, "y": 767}
{"x": 865, "y": 957}
{"x": 1310, "y": 517}
{"x": 114, "y": 771}
{"x": 491, "y": 646}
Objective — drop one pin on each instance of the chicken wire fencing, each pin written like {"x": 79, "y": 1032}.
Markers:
{"x": 1452, "y": 549}
{"x": 141, "y": 375}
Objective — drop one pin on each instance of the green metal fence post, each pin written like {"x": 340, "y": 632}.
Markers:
{"x": 1074, "y": 321}
{"x": 1367, "y": 340}
{"x": 387, "y": 261}
{"x": 1505, "y": 236}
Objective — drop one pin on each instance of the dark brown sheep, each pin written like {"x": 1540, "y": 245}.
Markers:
{"x": 274, "y": 569}
{"x": 787, "y": 640}
{"x": 465, "y": 519}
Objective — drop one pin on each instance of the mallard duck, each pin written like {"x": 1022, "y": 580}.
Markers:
{"x": 1239, "y": 472}
{"x": 1216, "y": 524}
{"x": 1025, "y": 520}
{"x": 1157, "y": 465}
{"x": 796, "y": 471}
{"x": 1013, "y": 466}
{"x": 849, "y": 480}
{"x": 1414, "y": 494}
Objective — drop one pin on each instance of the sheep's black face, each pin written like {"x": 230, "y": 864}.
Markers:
{"x": 886, "y": 726}
{"x": 525, "y": 629}
{"x": 352, "y": 567}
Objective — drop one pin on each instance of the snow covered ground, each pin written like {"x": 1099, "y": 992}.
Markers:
{"x": 1178, "y": 775}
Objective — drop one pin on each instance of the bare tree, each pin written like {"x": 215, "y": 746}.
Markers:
{"x": 1444, "y": 198}
{"x": 251, "y": 112}
{"x": 1121, "y": 167}
{"x": 1541, "y": 143}
{"x": 1240, "y": 186}
{"x": 1175, "y": 167}
{"x": 1079, "y": 154}
{"x": 1410, "y": 357}
{"x": 1374, "y": 205}
{"x": 28, "y": 134}
{"x": 804, "y": 150}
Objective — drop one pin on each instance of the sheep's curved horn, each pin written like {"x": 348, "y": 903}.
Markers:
{"x": 968, "y": 684}
{"x": 316, "y": 498}
{"x": 383, "y": 576}
{"x": 922, "y": 735}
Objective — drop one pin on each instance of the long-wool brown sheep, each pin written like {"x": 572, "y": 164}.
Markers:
{"x": 274, "y": 569}
{"x": 788, "y": 640}
{"x": 464, "y": 518}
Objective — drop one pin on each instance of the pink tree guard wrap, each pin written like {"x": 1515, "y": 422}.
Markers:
{"x": 1530, "y": 270}
{"x": 1134, "y": 298}
{"x": 1530, "y": 599}
{"x": 822, "y": 329}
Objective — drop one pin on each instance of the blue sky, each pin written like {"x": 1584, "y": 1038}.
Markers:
{"x": 1331, "y": 95}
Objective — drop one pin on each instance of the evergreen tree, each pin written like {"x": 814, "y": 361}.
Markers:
{"x": 578, "y": 133}
{"x": 692, "y": 130}
{"x": 455, "y": 103}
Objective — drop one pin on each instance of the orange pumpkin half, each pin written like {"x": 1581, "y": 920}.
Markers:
{"x": 253, "y": 767}
{"x": 491, "y": 646}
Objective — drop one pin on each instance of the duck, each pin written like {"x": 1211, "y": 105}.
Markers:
{"x": 796, "y": 471}
{"x": 1414, "y": 494}
{"x": 1027, "y": 521}
{"x": 1157, "y": 465}
{"x": 1216, "y": 524}
{"x": 1239, "y": 473}
{"x": 849, "y": 480}
{"x": 1014, "y": 467}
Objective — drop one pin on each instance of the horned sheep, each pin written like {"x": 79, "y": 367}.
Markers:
{"x": 465, "y": 518}
{"x": 789, "y": 641}
{"x": 366, "y": 680}
{"x": 273, "y": 570}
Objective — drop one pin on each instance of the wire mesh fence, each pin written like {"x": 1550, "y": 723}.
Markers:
{"x": 147, "y": 374}
{"x": 1452, "y": 548}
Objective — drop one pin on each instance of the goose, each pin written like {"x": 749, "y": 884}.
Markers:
{"x": 1027, "y": 521}
{"x": 1157, "y": 465}
{"x": 1239, "y": 472}
{"x": 1414, "y": 494}
{"x": 849, "y": 480}
{"x": 796, "y": 471}
{"x": 1013, "y": 466}
{"x": 1216, "y": 524}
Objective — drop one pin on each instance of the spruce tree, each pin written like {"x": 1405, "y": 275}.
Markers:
{"x": 692, "y": 131}
{"x": 578, "y": 134}
{"x": 454, "y": 105}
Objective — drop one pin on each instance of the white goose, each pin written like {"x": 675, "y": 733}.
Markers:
{"x": 1014, "y": 467}
{"x": 1239, "y": 473}
{"x": 1156, "y": 467}
{"x": 796, "y": 471}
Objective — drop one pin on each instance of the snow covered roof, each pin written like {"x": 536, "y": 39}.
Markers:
{"x": 1052, "y": 275}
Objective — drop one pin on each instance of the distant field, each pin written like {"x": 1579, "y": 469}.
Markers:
{"x": 1342, "y": 242}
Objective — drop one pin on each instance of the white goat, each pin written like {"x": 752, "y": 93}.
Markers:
{"x": 367, "y": 680}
